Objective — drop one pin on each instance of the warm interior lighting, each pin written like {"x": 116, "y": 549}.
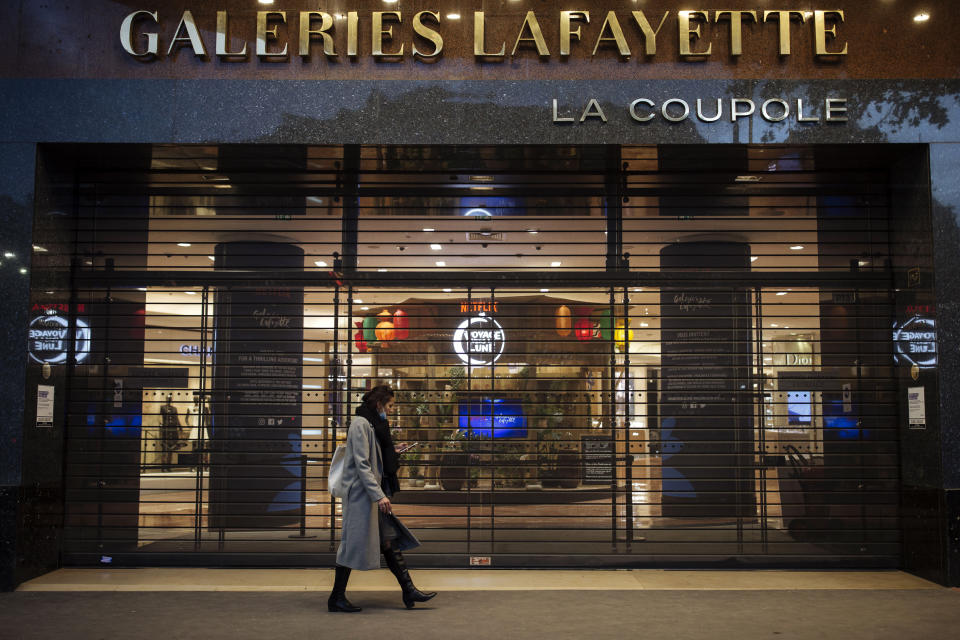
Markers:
{"x": 441, "y": 263}
{"x": 754, "y": 258}
{"x": 921, "y": 17}
{"x": 183, "y": 244}
{"x": 429, "y": 229}
{"x": 555, "y": 263}
{"x": 479, "y": 178}
{"x": 544, "y": 290}
{"x": 453, "y": 16}
{"x": 436, "y": 247}
{"x": 781, "y": 293}
{"x": 320, "y": 263}
{"x": 190, "y": 293}
{"x": 358, "y": 301}
{"x": 796, "y": 247}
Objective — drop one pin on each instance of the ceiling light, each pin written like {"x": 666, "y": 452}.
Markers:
{"x": 453, "y": 16}
{"x": 265, "y": 1}
{"x": 754, "y": 258}
{"x": 364, "y": 308}
{"x": 441, "y": 263}
{"x": 796, "y": 247}
{"x": 429, "y": 229}
{"x": 358, "y": 301}
{"x": 141, "y": 288}
{"x": 7, "y": 254}
{"x": 476, "y": 178}
{"x": 781, "y": 293}
{"x": 320, "y": 263}
{"x": 644, "y": 324}
{"x": 638, "y": 289}
{"x": 532, "y": 231}
{"x": 436, "y": 247}
{"x": 447, "y": 290}
{"x": 921, "y": 17}
{"x": 39, "y": 249}
{"x": 774, "y": 324}
{"x": 555, "y": 263}
{"x": 190, "y": 293}
{"x": 183, "y": 244}
{"x": 382, "y": 270}
{"x": 212, "y": 258}
{"x": 544, "y": 290}
{"x": 23, "y": 269}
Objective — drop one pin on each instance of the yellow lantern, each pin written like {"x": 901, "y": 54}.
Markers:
{"x": 564, "y": 322}
{"x": 621, "y": 334}
{"x": 384, "y": 329}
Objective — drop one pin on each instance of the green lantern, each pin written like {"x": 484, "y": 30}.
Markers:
{"x": 369, "y": 329}
{"x": 604, "y": 323}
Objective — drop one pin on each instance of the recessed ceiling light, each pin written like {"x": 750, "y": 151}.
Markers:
{"x": 183, "y": 244}
{"x": 358, "y": 301}
{"x": 320, "y": 263}
{"x": 436, "y": 247}
{"x": 774, "y": 324}
{"x": 441, "y": 263}
{"x": 754, "y": 258}
{"x": 7, "y": 254}
{"x": 796, "y": 247}
{"x": 544, "y": 290}
{"x": 382, "y": 270}
{"x": 190, "y": 293}
{"x": 429, "y": 229}
{"x": 453, "y": 16}
{"x": 781, "y": 293}
{"x": 638, "y": 289}
{"x": 921, "y": 17}
{"x": 644, "y": 324}
{"x": 555, "y": 263}
{"x": 364, "y": 308}
{"x": 23, "y": 269}
{"x": 141, "y": 288}
{"x": 532, "y": 231}
{"x": 39, "y": 249}
{"x": 265, "y": 1}
{"x": 447, "y": 290}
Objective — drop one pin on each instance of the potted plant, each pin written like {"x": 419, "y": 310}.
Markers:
{"x": 453, "y": 461}
{"x": 559, "y": 462}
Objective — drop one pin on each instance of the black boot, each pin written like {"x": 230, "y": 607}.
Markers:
{"x": 398, "y": 566}
{"x": 338, "y": 597}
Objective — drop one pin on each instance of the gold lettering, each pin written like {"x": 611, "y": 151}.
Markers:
{"x": 352, "y": 29}
{"x": 479, "y": 43}
{"x": 307, "y": 34}
{"x": 379, "y": 32}
{"x": 427, "y": 33}
{"x": 536, "y": 35}
{"x": 566, "y": 33}
{"x": 736, "y": 28}
{"x": 820, "y": 32}
{"x": 264, "y": 34}
{"x": 223, "y": 39}
{"x": 617, "y": 35}
{"x": 649, "y": 35}
{"x": 192, "y": 38}
{"x": 687, "y": 35}
{"x": 126, "y": 35}
{"x": 784, "y": 17}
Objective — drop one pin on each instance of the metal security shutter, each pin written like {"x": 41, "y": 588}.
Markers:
{"x": 636, "y": 356}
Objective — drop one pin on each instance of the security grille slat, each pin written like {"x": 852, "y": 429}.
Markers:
{"x": 647, "y": 360}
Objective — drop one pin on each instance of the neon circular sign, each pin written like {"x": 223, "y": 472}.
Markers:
{"x": 482, "y": 213}
{"x": 915, "y": 342}
{"x": 48, "y": 343}
{"x": 479, "y": 341}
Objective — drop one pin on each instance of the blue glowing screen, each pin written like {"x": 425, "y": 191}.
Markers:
{"x": 493, "y": 418}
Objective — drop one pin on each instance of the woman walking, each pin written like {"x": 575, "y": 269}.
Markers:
{"x": 369, "y": 526}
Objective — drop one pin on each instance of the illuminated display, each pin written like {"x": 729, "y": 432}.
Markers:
{"x": 479, "y": 341}
{"x": 48, "y": 343}
{"x": 915, "y": 342}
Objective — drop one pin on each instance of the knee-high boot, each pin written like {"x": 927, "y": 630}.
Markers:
{"x": 338, "y": 597}
{"x": 398, "y": 567}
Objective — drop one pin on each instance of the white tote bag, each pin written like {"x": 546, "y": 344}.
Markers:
{"x": 335, "y": 477}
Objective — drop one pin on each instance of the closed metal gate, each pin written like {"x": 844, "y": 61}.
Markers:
{"x": 603, "y": 356}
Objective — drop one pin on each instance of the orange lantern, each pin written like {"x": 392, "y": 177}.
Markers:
{"x": 384, "y": 329}
{"x": 584, "y": 330}
{"x": 563, "y": 320}
{"x": 401, "y": 325}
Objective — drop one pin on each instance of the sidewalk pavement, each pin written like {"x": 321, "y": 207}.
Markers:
{"x": 494, "y": 605}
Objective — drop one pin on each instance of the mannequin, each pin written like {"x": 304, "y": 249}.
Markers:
{"x": 169, "y": 433}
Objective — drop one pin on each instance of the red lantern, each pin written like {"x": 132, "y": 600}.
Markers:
{"x": 358, "y": 338}
{"x": 401, "y": 325}
{"x": 584, "y": 330}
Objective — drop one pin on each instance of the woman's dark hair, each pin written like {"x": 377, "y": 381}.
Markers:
{"x": 377, "y": 397}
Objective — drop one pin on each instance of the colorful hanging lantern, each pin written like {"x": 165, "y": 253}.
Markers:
{"x": 401, "y": 325}
{"x": 369, "y": 329}
{"x": 622, "y": 334}
{"x": 604, "y": 323}
{"x": 358, "y": 337}
{"x": 563, "y": 321}
{"x": 584, "y": 329}
{"x": 384, "y": 329}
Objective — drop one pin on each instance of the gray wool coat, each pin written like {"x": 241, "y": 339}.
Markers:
{"x": 362, "y": 474}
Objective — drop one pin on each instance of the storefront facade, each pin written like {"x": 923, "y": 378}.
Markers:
{"x": 656, "y": 287}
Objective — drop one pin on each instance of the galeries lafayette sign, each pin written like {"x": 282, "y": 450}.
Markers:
{"x": 279, "y": 35}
